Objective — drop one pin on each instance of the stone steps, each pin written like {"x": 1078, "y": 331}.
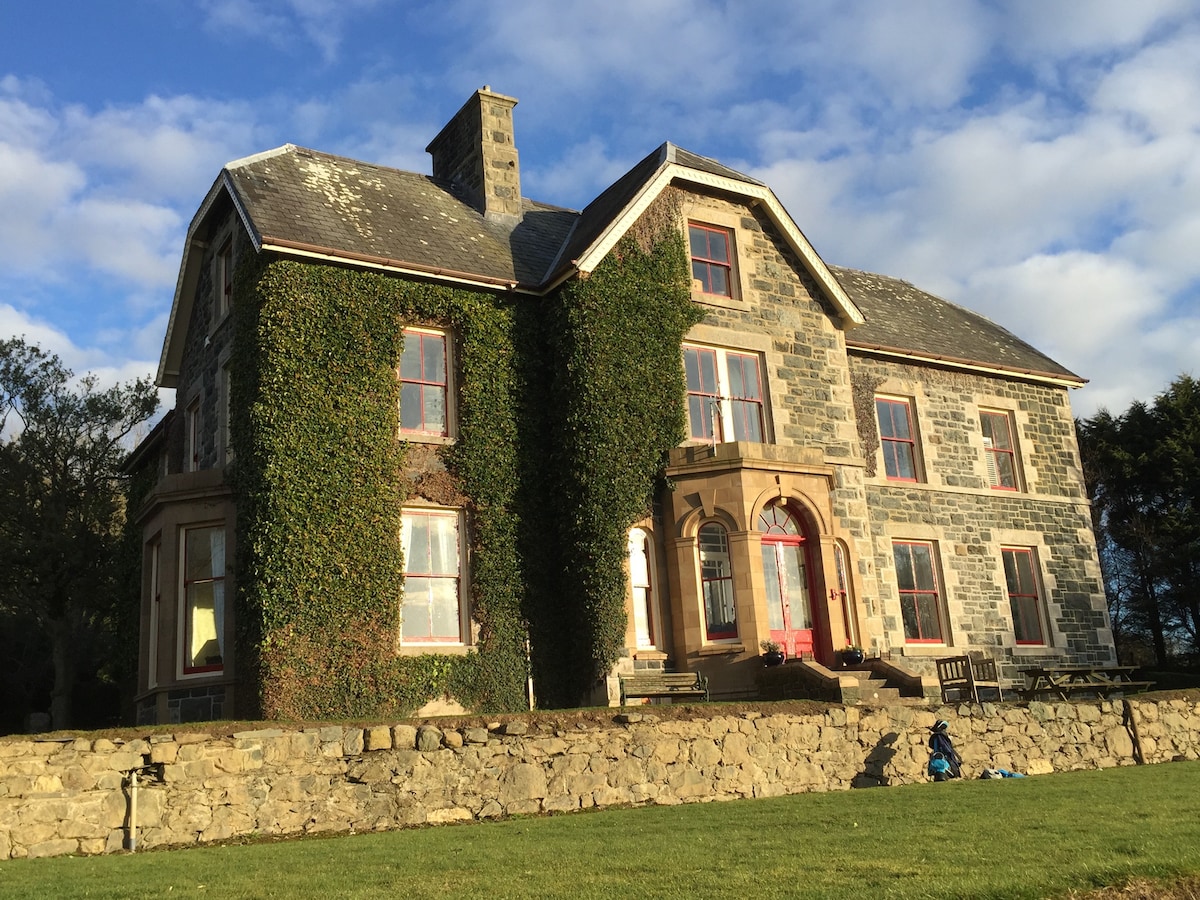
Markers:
{"x": 873, "y": 688}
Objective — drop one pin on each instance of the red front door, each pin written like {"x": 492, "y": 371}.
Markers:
{"x": 786, "y": 578}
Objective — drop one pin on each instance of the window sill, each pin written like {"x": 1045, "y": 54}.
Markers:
{"x": 1041, "y": 650}
{"x": 929, "y": 650}
{"x": 719, "y": 300}
{"x": 722, "y": 649}
{"x": 409, "y": 437}
{"x": 649, "y": 653}
{"x": 434, "y": 648}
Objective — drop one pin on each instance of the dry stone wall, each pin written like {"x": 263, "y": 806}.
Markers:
{"x": 64, "y": 796}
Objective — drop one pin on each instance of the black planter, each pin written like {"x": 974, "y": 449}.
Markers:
{"x": 852, "y": 657}
{"x": 772, "y": 658}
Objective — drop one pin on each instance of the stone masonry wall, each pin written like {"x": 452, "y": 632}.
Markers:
{"x": 969, "y": 523}
{"x": 61, "y": 796}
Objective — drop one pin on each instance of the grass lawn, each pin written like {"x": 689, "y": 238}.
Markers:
{"x": 1030, "y": 837}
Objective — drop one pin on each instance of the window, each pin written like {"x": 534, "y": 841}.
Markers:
{"x": 1020, "y": 574}
{"x": 725, "y": 395}
{"x": 716, "y": 583}
{"x": 223, "y": 393}
{"x": 712, "y": 266}
{"x": 999, "y": 450}
{"x": 191, "y": 462}
{"x": 224, "y": 279}
{"x": 641, "y": 583}
{"x": 203, "y": 599}
{"x": 920, "y": 602}
{"x": 432, "y": 608}
{"x": 896, "y": 435}
{"x": 154, "y": 549}
{"x": 423, "y": 384}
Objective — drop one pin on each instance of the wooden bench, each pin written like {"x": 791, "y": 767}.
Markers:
{"x": 650, "y": 684}
{"x": 1064, "y": 682}
{"x": 963, "y": 677}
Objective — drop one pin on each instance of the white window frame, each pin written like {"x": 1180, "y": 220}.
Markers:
{"x": 646, "y": 609}
{"x": 184, "y": 654}
{"x": 721, "y": 412}
{"x": 432, "y": 642}
{"x": 451, "y": 426}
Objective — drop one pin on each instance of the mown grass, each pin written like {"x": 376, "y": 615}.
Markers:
{"x": 1031, "y": 837}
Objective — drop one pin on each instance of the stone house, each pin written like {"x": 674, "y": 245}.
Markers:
{"x": 864, "y": 463}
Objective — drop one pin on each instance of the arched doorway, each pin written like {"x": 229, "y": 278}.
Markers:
{"x": 787, "y": 579}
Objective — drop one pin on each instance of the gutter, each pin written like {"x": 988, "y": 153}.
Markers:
{"x": 1068, "y": 380}
{"x": 330, "y": 254}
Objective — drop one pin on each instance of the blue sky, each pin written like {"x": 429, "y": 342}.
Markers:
{"x": 1035, "y": 160}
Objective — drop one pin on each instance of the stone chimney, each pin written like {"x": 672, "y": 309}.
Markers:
{"x": 476, "y": 152}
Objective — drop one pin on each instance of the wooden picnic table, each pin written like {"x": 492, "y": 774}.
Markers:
{"x": 1067, "y": 681}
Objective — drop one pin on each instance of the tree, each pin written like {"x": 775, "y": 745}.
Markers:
{"x": 62, "y": 443}
{"x": 1143, "y": 473}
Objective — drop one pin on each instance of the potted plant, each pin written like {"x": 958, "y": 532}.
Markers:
{"x": 772, "y": 652}
{"x": 852, "y": 655}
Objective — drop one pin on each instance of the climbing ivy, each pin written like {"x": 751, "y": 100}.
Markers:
{"x": 320, "y": 480}
{"x": 615, "y": 408}
{"x": 567, "y": 406}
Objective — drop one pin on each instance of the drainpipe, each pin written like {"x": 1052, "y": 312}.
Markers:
{"x": 132, "y": 839}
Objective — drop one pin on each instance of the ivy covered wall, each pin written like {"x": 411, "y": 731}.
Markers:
{"x": 566, "y": 408}
{"x": 615, "y": 407}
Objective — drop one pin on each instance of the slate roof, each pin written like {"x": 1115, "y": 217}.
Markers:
{"x": 904, "y": 319}
{"x": 302, "y": 199}
{"x": 316, "y": 201}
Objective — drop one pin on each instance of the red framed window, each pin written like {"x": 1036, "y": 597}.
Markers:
{"x": 725, "y": 395}
{"x": 431, "y": 609}
{"x": 703, "y": 393}
{"x": 423, "y": 384}
{"x": 716, "y": 583}
{"x": 1000, "y": 452}
{"x": 745, "y": 397}
{"x": 897, "y": 438}
{"x": 1020, "y": 575}
{"x": 203, "y": 599}
{"x": 712, "y": 264}
{"x": 920, "y": 599}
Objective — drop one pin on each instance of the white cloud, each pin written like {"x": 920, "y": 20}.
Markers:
{"x": 1062, "y": 28}
{"x": 1158, "y": 88}
{"x": 107, "y": 192}
{"x": 917, "y": 54}
{"x": 283, "y": 22}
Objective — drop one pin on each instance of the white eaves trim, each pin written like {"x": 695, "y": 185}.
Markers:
{"x": 189, "y": 272}
{"x": 760, "y": 194}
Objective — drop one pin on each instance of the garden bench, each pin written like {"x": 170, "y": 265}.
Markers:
{"x": 1065, "y": 682}
{"x": 650, "y": 684}
{"x": 963, "y": 677}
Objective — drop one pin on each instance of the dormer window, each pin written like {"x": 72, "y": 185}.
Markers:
{"x": 712, "y": 259}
